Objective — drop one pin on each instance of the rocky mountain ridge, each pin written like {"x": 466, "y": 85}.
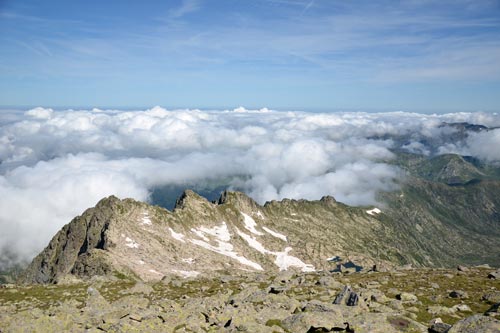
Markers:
{"x": 130, "y": 238}
{"x": 148, "y": 242}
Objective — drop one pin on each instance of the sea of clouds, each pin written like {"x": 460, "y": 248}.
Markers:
{"x": 55, "y": 164}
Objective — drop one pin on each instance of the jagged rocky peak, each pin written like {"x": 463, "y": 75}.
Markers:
{"x": 328, "y": 199}
{"x": 238, "y": 199}
{"x": 190, "y": 198}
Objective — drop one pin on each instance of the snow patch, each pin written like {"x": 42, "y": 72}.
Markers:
{"x": 274, "y": 233}
{"x": 283, "y": 260}
{"x": 250, "y": 224}
{"x": 188, "y": 260}
{"x": 259, "y": 214}
{"x": 223, "y": 247}
{"x": 186, "y": 274}
{"x": 156, "y": 272}
{"x": 253, "y": 242}
{"x": 227, "y": 250}
{"x": 374, "y": 211}
{"x": 131, "y": 243}
{"x": 178, "y": 236}
{"x": 221, "y": 233}
{"x": 200, "y": 234}
{"x": 145, "y": 219}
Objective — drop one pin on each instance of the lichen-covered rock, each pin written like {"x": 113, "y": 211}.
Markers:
{"x": 491, "y": 297}
{"x": 302, "y": 322}
{"x": 476, "y": 324}
{"x": 407, "y": 298}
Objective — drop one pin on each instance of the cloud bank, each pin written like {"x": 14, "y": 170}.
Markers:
{"x": 55, "y": 164}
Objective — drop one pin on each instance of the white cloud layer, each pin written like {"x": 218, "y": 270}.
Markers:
{"x": 54, "y": 164}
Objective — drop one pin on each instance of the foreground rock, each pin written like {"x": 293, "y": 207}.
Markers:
{"x": 476, "y": 324}
{"x": 395, "y": 301}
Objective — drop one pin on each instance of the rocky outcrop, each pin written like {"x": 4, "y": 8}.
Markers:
{"x": 70, "y": 251}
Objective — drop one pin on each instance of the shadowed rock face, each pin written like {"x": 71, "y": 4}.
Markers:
{"x": 424, "y": 224}
{"x": 72, "y": 245}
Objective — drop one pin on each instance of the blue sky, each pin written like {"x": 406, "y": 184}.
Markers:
{"x": 430, "y": 56}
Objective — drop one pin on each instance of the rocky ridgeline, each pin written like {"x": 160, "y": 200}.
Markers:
{"x": 126, "y": 237}
{"x": 405, "y": 300}
{"x": 144, "y": 242}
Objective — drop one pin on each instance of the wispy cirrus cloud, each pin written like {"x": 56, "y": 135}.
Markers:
{"x": 306, "y": 48}
{"x": 186, "y": 7}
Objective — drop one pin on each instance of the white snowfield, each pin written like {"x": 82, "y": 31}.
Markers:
{"x": 374, "y": 211}
{"x": 259, "y": 214}
{"x": 206, "y": 236}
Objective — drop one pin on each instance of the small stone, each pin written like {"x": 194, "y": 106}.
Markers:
{"x": 491, "y": 297}
{"x": 396, "y": 305}
{"x": 277, "y": 289}
{"x": 135, "y": 317}
{"x": 459, "y": 294}
{"x": 476, "y": 324}
{"x": 439, "y": 328}
{"x": 166, "y": 279}
{"x": 353, "y": 299}
{"x": 462, "y": 268}
{"x": 440, "y": 310}
{"x": 407, "y": 298}
{"x": 462, "y": 308}
{"x": 493, "y": 311}
{"x": 494, "y": 275}
{"x": 340, "y": 299}
{"x": 435, "y": 321}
